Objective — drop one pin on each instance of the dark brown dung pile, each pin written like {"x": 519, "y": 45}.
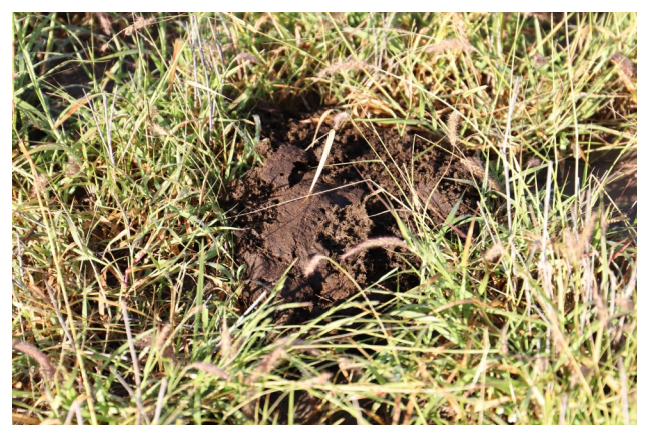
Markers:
{"x": 369, "y": 172}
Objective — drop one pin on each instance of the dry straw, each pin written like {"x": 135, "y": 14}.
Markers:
{"x": 339, "y": 120}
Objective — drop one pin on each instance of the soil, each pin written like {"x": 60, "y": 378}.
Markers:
{"x": 351, "y": 203}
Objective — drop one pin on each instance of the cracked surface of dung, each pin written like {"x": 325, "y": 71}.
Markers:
{"x": 368, "y": 172}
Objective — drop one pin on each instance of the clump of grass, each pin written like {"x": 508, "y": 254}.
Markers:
{"x": 526, "y": 319}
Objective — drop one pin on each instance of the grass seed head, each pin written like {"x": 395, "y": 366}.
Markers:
{"x": 495, "y": 253}
{"x": 322, "y": 378}
{"x": 72, "y": 168}
{"x": 48, "y": 369}
{"x": 139, "y": 24}
{"x": 450, "y": 44}
{"x": 452, "y": 127}
{"x": 534, "y": 162}
{"x": 105, "y": 23}
{"x": 477, "y": 170}
{"x": 311, "y": 266}
{"x": 375, "y": 242}
{"x": 340, "y": 119}
{"x": 163, "y": 331}
{"x": 351, "y": 65}
{"x": 210, "y": 368}
{"x": 247, "y": 57}
{"x": 539, "y": 60}
{"x": 40, "y": 184}
{"x": 158, "y": 129}
{"x": 626, "y": 65}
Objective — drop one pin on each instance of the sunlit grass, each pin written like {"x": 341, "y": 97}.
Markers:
{"x": 122, "y": 144}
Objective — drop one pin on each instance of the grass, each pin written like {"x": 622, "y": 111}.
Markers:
{"x": 125, "y": 304}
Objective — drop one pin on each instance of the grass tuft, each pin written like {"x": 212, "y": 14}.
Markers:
{"x": 125, "y": 291}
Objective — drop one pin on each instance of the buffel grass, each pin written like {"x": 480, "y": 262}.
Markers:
{"x": 124, "y": 288}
